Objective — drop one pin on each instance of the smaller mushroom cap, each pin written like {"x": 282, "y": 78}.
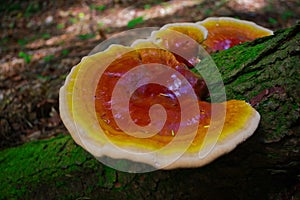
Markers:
{"x": 195, "y": 31}
{"x": 182, "y": 39}
{"x": 226, "y": 32}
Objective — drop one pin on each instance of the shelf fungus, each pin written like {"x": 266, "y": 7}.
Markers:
{"x": 181, "y": 39}
{"x": 226, "y": 32}
{"x": 143, "y": 104}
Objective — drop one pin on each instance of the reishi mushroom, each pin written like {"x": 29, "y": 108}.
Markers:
{"x": 226, "y": 32}
{"x": 86, "y": 109}
{"x": 181, "y": 39}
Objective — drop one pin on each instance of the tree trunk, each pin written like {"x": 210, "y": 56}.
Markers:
{"x": 265, "y": 72}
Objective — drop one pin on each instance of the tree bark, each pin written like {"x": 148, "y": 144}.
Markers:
{"x": 265, "y": 72}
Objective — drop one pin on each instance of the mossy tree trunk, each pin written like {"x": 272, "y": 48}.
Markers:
{"x": 265, "y": 72}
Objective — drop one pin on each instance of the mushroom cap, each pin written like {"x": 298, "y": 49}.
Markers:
{"x": 226, "y": 32}
{"x": 79, "y": 112}
{"x": 181, "y": 39}
{"x": 194, "y": 31}
{"x": 86, "y": 108}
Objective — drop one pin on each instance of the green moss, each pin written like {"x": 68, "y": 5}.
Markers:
{"x": 27, "y": 164}
{"x": 54, "y": 165}
{"x": 108, "y": 178}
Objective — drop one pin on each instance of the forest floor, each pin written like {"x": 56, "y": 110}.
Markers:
{"x": 40, "y": 41}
